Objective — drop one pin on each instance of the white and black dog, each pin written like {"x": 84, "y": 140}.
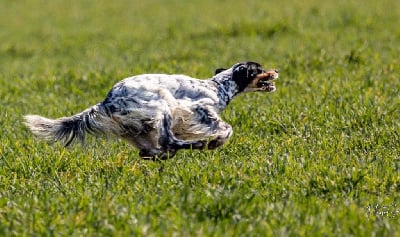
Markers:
{"x": 161, "y": 114}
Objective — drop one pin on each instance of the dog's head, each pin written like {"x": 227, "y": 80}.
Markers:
{"x": 250, "y": 76}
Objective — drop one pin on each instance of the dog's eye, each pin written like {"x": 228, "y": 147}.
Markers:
{"x": 255, "y": 72}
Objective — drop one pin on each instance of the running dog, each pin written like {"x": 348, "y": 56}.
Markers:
{"x": 161, "y": 114}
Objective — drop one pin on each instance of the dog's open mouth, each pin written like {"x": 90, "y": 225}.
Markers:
{"x": 268, "y": 86}
{"x": 266, "y": 79}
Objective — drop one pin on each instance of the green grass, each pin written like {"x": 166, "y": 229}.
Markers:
{"x": 320, "y": 157}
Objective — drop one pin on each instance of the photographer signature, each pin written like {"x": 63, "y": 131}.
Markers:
{"x": 390, "y": 211}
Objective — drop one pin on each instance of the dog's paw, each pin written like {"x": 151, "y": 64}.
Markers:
{"x": 200, "y": 145}
{"x": 213, "y": 144}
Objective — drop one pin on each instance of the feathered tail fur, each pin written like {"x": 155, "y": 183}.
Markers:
{"x": 66, "y": 129}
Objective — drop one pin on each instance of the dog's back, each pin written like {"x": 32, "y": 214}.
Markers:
{"x": 160, "y": 113}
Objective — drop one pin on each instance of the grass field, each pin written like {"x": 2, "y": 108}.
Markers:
{"x": 319, "y": 157}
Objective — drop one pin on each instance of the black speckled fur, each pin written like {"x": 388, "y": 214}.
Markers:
{"x": 161, "y": 114}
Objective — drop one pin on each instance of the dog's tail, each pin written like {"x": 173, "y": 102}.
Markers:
{"x": 67, "y": 129}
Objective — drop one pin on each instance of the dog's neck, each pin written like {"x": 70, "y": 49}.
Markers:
{"x": 227, "y": 88}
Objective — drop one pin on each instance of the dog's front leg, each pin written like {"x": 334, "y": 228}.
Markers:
{"x": 223, "y": 132}
{"x": 205, "y": 123}
{"x": 170, "y": 143}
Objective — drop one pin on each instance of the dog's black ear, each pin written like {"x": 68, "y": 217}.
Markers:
{"x": 218, "y": 70}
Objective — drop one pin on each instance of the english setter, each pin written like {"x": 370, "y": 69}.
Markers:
{"x": 161, "y": 114}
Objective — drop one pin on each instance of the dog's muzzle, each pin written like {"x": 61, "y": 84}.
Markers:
{"x": 265, "y": 80}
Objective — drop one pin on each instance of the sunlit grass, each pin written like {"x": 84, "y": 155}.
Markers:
{"x": 320, "y": 156}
